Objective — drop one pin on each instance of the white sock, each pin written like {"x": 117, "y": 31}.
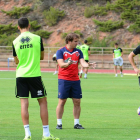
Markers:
{"x": 85, "y": 75}
{"x": 76, "y": 121}
{"x": 27, "y": 130}
{"x": 46, "y": 131}
{"x": 81, "y": 71}
{"x": 116, "y": 74}
{"x": 59, "y": 121}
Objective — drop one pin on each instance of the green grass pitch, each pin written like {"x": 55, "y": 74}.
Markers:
{"x": 108, "y": 109}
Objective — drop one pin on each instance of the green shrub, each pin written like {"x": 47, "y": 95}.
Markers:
{"x": 7, "y": 40}
{"x": 34, "y": 25}
{"x": 101, "y": 11}
{"x": 100, "y": 43}
{"x": 108, "y": 6}
{"x": 96, "y": 10}
{"x": 8, "y": 29}
{"x": 43, "y": 34}
{"x": 129, "y": 15}
{"x": 79, "y": 33}
{"x": 89, "y": 11}
{"x": 63, "y": 35}
{"x": 89, "y": 40}
{"x": 109, "y": 25}
{"x": 53, "y": 16}
{"x": 17, "y": 11}
{"x": 135, "y": 28}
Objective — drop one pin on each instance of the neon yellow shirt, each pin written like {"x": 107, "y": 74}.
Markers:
{"x": 117, "y": 52}
{"x": 28, "y": 47}
{"x": 85, "y": 48}
{"x": 78, "y": 47}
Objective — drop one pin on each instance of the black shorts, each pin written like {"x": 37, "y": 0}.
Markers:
{"x": 32, "y": 84}
{"x": 87, "y": 61}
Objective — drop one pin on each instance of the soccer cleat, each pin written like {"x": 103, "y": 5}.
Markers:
{"x": 116, "y": 75}
{"x": 80, "y": 75}
{"x": 121, "y": 74}
{"x": 27, "y": 138}
{"x": 59, "y": 126}
{"x": 78, "y": 126}
{"x": 85, "y": 77}
{"x": 51, "y": 137}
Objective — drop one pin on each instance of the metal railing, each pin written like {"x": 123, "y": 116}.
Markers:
{"x": 101, "y": 55}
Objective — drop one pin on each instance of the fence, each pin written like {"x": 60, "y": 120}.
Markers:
{"x": 101, "y": 55}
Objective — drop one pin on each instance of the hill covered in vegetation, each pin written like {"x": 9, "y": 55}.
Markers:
{"x": 101, "y": 22}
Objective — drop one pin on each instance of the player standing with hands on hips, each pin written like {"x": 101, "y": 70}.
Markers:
{"x": 28, "y": 50}
{"x": 117, "y": 58}
{"x": 68, "y": 58}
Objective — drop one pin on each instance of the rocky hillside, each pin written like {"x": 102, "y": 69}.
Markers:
{"x": 73, "y": 20}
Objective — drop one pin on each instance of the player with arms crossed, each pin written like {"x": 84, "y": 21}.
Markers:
{"x": 68, "y": 79}
{"x": 117, "y": 58}
{"x": 28, "y": 50}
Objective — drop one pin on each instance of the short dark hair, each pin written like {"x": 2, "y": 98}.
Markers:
{"x": 23, "y": 22}
{"x": 116, "y": 44}
{"x": 70, "y": 37}
{"x": 85, "y": 41}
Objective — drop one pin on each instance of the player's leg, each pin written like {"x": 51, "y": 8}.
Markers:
{"x": 44, "y": 115}
{"x": 59, "y": 112}
{"x": 25, "y": 117}
{"x": 121, "y": 71}
{"x": 43, "y": 110}
{"x": 81, "y": 72}
{"x": 76, "y": 108}
{"x": 115, "y": 70}
{"x": 63, "y": 93}
{"x": 86, "y": 70}
{"x": 76, "y": 113}
{"x": 38, "y": 91}
{"x": 56, "y": 69}
{"x": 24, "y": 110}
{"x": 22, "y": 92}
{"x": 76, "y": 94}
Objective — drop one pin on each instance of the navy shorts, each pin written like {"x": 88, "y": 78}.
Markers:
{"x": 34, "y": 85}
{"x": 69, "y": 89}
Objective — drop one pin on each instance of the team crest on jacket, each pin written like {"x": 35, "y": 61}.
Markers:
{"x": 77, "y": 54}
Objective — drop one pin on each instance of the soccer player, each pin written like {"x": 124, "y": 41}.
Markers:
{"x": 117, "y": 58}
{"x": 56, "y": 67}
{"x": 86, "y": 52}
{"x": 28, "y": 50}
{"x": 68, "y": 80}
{"x": 131, "y": 56}
{"x": 78, "y": 45}
{"x": 131, "y": 59}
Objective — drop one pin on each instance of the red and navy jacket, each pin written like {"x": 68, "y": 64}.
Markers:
{"x": 71, "y": 72}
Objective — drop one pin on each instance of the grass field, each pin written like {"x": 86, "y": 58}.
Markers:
{"x": 109, "y": 109}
